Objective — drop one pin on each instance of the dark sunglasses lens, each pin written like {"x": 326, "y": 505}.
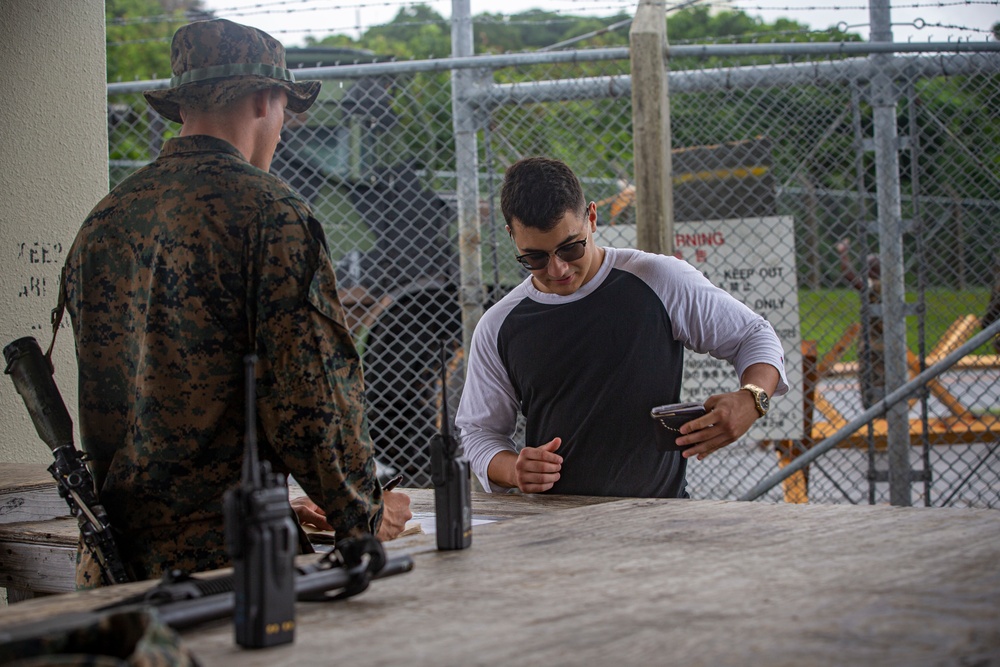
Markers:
{"x": 534, "y": 261}
{"x": 571, "y": 252}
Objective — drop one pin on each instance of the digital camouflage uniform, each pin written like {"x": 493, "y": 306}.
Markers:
{"x": 113, "y": 639}
{"x": 188, "y": 265}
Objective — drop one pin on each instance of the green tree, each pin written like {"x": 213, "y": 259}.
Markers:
{"x": 139, "y": 33}
{"x": 415, "y": 32}
{"x": 138, "y": 36}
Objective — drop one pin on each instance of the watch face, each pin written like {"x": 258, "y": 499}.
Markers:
{"x": 765, "y": 402}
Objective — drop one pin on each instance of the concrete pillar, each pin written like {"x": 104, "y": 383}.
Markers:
{"x": 54, "y": 147}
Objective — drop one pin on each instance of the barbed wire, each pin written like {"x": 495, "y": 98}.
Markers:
{"x": 495, "y": 19}
{"x": 843, "y": 26}
{"x": 337, "y": 29}
{"x": 291, "y": 6}
{"x": 934, "y": 4}
{"x": 294, "y": 6}
{"x": 256, "y": 10}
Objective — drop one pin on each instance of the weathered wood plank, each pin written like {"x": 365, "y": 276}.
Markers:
{"x": 38, "y": 556}
{"x": 16, "y": 476}
{"x": 38, "y": 568}
{"x": 60, "y": 532}
{"x": 28, "y": 493}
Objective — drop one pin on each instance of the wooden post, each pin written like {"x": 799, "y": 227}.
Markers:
{"x": 796, "y": 487}
{"x": 654, "y": 203}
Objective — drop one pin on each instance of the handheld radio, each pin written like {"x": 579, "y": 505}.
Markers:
{"x": 451, "y": 476}
{"x": 262, "y": 542}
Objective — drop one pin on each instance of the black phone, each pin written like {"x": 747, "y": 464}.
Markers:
{"x": 668, "y": 420}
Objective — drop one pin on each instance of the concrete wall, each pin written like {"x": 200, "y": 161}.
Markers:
{"x": 54, "y": 148}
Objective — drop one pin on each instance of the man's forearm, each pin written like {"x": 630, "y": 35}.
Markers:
{"x": 763, "y": 375}
{"x": 501, "y": 469}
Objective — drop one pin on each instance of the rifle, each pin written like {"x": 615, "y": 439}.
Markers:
{"x": 182, "y": 602}
{"x": 32, "y": 373}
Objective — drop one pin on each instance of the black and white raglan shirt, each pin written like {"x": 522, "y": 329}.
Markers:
{"x": 589, "y": 367}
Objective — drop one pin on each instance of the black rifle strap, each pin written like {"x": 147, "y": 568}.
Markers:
{"x": 57, "y": 313}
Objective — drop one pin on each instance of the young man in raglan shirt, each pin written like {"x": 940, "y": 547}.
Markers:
{"x": 588, "y": 344}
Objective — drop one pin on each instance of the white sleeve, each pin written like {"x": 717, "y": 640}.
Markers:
{"x": 487, "y": 412}
{"x": 707, "y": 319}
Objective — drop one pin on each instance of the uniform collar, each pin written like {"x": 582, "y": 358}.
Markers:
{"x": 199, "y": 143}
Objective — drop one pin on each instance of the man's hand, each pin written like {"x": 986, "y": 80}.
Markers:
{"x": 729, "y": 417}
{"x": 532, "y": 470}
{"x": 395, "y": 513}
{"x": 309, "y": 513}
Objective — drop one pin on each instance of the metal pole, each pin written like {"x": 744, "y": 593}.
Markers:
{"x": 890, "y": 232}
{"x": 467, "y": 174}
{"x": 788, "y": 74}
{"x": 897, "y": 396}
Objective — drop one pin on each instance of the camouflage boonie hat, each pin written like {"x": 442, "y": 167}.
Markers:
{"x": 218, "y": 61}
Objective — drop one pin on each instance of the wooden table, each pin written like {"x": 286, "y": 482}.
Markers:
{"x": 38, "y": 541}
{"x": 651, "y": 582}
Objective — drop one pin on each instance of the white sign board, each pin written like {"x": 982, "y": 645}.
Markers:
{"x": 754, "y": 260}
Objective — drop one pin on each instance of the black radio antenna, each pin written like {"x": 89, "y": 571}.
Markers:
{"x": 445, "y": 424}
{"x": 251, "y": 468}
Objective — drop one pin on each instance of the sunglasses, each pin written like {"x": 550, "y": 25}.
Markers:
{"x": 535, "y": 261}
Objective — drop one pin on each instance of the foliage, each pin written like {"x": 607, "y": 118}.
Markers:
{"x": 536, "y": 29}
{"x": 139, "y": 33}
{"x": 420, "y": 32}
{"x": 959, "y": 139}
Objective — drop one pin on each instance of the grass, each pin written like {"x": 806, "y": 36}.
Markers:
{"x": 827, "y": 313}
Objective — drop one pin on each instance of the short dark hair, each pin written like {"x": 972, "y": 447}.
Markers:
{"x": 538, "y": 191}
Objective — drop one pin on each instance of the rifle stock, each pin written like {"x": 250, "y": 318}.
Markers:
{"x": 31, "y": 372}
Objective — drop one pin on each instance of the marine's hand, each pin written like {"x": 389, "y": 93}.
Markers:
{"x": 537, "y": 468}
{"x": 309, "y": 513}
{"x": 395, "y": 513}
{"x": 729, "y": 417}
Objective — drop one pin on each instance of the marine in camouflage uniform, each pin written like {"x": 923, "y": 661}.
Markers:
{"x": 189, "y": 264}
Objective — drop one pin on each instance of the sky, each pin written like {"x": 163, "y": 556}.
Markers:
{"x": 913, "y": 20}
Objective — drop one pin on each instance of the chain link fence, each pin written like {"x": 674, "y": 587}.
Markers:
{"x": 775, "y": 200}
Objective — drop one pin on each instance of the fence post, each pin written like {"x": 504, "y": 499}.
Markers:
{"x": 654, "y": 200}
{"x": 890, "y": 231}
{"x": 466, "y": 174}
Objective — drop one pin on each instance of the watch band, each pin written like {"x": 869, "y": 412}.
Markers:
{"x": 760, "y": 398}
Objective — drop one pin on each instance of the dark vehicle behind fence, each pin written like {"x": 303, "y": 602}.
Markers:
{"x": 397, "y": 281}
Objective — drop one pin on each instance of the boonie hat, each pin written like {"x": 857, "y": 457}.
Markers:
{"x": 215, "y": 62}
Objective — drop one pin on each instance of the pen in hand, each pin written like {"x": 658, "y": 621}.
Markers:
{"x": 392, "y": 483}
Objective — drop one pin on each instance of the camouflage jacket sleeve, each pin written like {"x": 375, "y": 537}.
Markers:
{"x": 311, "y": 399}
